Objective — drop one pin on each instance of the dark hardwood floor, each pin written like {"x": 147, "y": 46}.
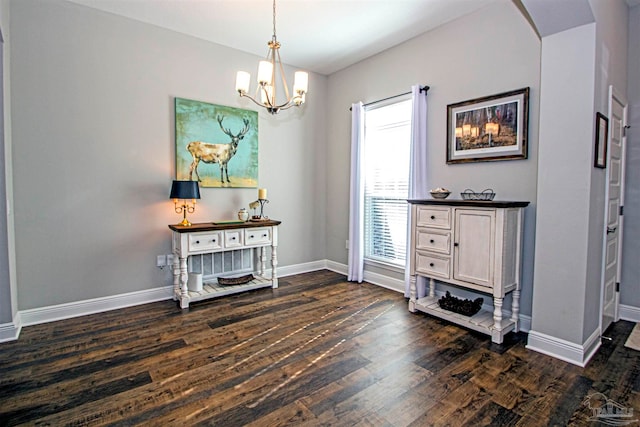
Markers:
{"x": 316, "y": 351}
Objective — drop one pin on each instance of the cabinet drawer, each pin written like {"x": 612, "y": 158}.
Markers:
{"x": 232, "y": 238}
{"x": 205, "y": 241}
{"x": 433, "y": 217}
{"x": 433, "y": 240}
{"x": 257, "y": 236}
{"x": 432, "y": 265}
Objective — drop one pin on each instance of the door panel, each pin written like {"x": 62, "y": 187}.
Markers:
{"x": 474, "y": 248}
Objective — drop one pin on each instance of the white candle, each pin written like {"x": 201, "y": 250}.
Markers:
{"x": 262, "y": 194}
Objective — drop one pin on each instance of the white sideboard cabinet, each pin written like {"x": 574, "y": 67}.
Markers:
{"x": 209, "y": 238}
{"x": 472, "y": 245}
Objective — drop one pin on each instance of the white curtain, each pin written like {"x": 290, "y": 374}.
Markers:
{"x": 356, "y": 200}
{"x": 418, "y": 187}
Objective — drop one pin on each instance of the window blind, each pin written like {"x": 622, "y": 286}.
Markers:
{"x": 386, "y": 187}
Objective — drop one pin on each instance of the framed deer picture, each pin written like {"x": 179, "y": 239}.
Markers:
{"x": 216, "y": 145}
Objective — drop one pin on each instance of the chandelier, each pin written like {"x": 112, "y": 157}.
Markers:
{"x": 267, "y": 70}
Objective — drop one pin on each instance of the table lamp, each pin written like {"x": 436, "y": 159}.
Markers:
{"x": 185, "y": 190}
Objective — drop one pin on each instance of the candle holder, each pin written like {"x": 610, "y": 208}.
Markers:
{"x": 260, "y": 217}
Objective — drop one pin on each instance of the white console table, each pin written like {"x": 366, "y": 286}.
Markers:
{"x": 473, "y": 245}
{"x": 206, "y": 238}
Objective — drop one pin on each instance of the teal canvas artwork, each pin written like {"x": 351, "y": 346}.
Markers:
{"x": 216, "y": 145}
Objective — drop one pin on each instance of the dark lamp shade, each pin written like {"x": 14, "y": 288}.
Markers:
{"x": 185, "y": 190}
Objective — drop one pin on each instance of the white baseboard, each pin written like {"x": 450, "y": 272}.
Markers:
{"x": 52, "y": 313}
{"x": 306, "y": 267}
{"x": 337, "y": 267}
{"x": 10, "y": 331}
{"x": 629, "y": 312}
{"x": 564, "y": 350}
{"x": 384, "y": 281}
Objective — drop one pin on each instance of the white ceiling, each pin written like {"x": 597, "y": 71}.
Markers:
{"x": 317, "y": 35}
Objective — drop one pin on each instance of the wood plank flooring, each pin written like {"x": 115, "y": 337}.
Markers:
{"x": 318, "y": 351}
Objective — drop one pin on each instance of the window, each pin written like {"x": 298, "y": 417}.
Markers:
{"x": 387, "y": 142}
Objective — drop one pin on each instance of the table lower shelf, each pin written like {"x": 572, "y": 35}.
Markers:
{"x": 214, "y": 290}
{"x": 481, "y": 321}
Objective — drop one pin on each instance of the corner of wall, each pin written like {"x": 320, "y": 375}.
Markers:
{"x": 577, "y": 354}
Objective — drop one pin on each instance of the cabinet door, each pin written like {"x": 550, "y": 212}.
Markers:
{"x": 474, "y": 245}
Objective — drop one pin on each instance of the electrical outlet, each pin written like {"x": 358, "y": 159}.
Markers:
{"x": 161, "y": 261}
{"x": 170, "y": 260}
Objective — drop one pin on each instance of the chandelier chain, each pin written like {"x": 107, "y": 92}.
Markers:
{"x": 274, "y": 20}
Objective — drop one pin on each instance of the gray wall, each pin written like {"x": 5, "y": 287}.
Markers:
{"x": 93, "y": 151}
{"x": 491, "y": 51}
{"x": 563, "y": 198}
{"x": 8, "y": 286}
{"x": 578, "y": 65}
{"x": 630, "y": 285}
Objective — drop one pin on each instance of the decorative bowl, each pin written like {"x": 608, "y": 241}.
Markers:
{"x": 440, "y": 193}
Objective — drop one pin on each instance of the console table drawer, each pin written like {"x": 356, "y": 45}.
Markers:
{"x": 205, "y": 242}
{"x": 433, "y": 241}
{"x": 233, "y": 238}
{"x": 257, "y": 236}
{"x": 432, "y": 265}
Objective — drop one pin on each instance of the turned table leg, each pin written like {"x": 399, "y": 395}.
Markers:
{"x": 274, "y": 265}
{"x": 432, "y": 288}
{"x": 413, "y": 293}
{"x": 263, "y": 260}
{"x": 496, "y": 335}
{"x": 184, "y": 295}
{"x": 515, "y": 309}
{"x": 176, "y": 277}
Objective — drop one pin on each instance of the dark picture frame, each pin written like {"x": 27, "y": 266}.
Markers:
{"x": 601, "y": 131}
{"x": 489, "y": 128}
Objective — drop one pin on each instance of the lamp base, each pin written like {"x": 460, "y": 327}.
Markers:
{"x": 185, "y": 223}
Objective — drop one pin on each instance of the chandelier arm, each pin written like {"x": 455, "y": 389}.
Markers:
{"x": 284, "y": 79}
{"x": 252, "y": 99}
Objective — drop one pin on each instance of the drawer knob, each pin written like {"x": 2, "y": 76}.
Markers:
{"x": 213, "y": 240}
{"x": 233, "y": 238}
{"x": 456, "y": 244}
{"x": 197, "y": 242}
{"x": 431, "y": 264}
{"x": 432, "y": 241}
{"x": 433, "y": 217}
{"x": 251, "y": 237}
{"x": 264, "y": 235}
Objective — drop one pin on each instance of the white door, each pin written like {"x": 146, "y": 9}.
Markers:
{"x": 613, "y": 218}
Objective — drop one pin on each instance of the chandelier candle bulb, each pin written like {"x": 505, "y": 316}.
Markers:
{"x": 300, "y": 82}
{"x": 242, "y": 81}
{"x": 262, "y": 194}
{"x": 266, "y": 93}
{"x": 265, "y": 72}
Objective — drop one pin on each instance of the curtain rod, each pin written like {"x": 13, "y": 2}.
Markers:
{"x": 422, "y": 89}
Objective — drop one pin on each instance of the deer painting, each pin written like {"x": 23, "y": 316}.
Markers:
{"x": 216, "y": 153}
